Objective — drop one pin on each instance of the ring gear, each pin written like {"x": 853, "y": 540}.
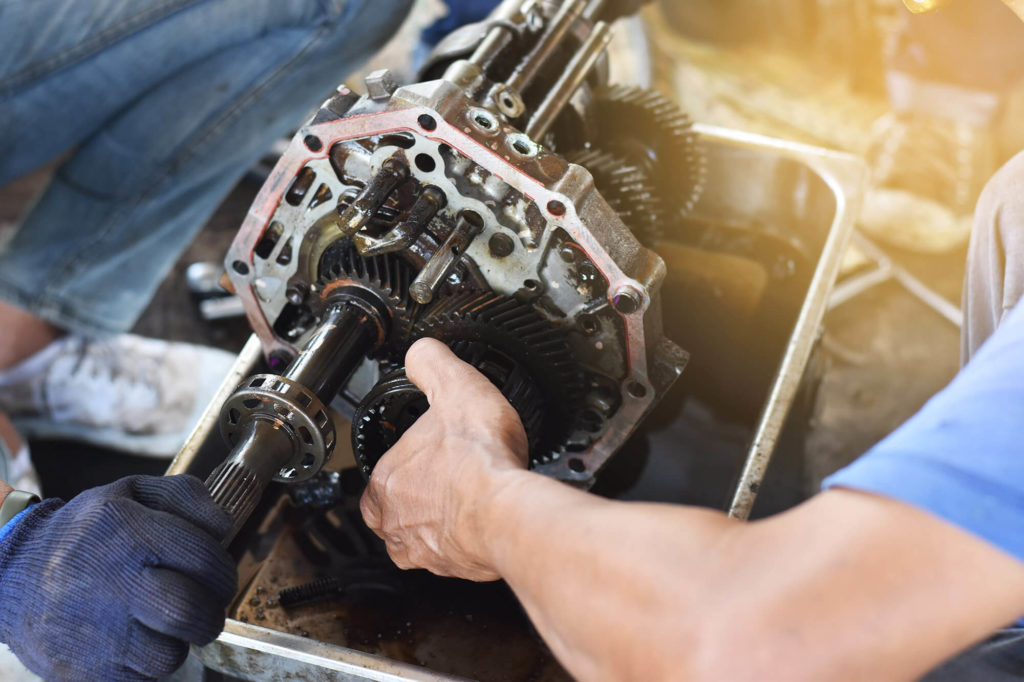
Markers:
{"x": 653, "y": 133}
{"x": 518, "y": 332}
{"x": 512, "y": 345}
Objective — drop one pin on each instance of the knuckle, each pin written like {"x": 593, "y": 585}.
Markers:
{"x": 369, "y": 510}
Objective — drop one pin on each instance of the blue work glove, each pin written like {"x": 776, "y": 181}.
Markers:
{"x": 115, "y": 583}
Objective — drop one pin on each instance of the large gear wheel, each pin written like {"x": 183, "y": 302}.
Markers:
{"x": 512, "y": 345}
{"x": 386, "y": 276}
{"x": 628, "y": 190}
{"x": 518, "y": 332}
{"x": 651, "y": 132}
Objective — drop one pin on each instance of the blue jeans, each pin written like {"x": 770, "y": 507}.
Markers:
{"x": 164, "y": 104}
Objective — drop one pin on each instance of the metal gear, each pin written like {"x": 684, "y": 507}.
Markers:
{"x": 512, "y": 345}
{"x": 653, "y": 133}
{"x": 395, "y": 403}
{"x": 516, "y": 331}
{"x": 386, "y": 276}
{"x": 628, "y": 190}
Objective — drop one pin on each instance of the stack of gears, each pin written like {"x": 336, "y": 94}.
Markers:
{"x": 651, "y": 172}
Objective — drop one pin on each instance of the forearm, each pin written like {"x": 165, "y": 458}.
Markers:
{"x": 848, "y": 586}
{"x": 583, "y": 566}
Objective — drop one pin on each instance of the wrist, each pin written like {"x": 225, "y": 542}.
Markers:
{"x": 493, "y": 520}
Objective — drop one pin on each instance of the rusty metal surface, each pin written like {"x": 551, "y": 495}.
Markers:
{"x": 445, "y": 628}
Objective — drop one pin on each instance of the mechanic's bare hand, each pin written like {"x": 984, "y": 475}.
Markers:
{"x": 428, "y": 495}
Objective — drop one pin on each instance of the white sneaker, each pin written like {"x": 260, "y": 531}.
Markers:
{"x": 129, "y": 393}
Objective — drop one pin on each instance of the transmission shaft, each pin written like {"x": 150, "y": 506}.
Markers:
{"x": 279, "y": 427}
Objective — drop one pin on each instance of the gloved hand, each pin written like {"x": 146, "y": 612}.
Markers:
{"x": 115, "y": 583}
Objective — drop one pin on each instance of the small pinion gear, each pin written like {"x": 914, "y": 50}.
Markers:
{"x": 628, "y": 190}
{"x": 516, "y": 333}
{"x": 387, "y": 276}
{"x": 652, "y": 132}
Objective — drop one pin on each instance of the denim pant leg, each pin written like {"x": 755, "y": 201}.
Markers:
{"x": 994, "y": 282}
{"x": 169, "y": 102}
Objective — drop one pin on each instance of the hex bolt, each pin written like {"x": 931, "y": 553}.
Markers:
{"x": 501, "y": 245}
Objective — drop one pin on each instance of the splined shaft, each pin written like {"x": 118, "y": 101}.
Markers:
{"x": 279, "y": 427}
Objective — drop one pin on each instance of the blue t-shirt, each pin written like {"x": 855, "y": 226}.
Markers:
{"x": 962, "y": 456}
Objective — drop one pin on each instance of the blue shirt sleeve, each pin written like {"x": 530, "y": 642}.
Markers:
{"x": 962, "y": 456}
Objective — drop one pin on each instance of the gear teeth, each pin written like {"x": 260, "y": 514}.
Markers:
{"x": 629, "y": 192}
{"x": 659, "y": 123}
{"x": 517, "y": 331}
{"x": 386, "y": 275}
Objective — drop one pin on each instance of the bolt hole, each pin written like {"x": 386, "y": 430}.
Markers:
{"x": 427, "y": 122}
{"x": 251, "y": 403}
{"x": 484, "y": 122}
{"x": 532, "y": 284}
{"x": 240, "y": 267}
{"x": 577, "y": 465}
{"x": 556, "y": 208}
{"x": 473, "y": 218}
{"x": 636, "y": 389}
{"x": 626, "y": 302}
{"x": 521, "y": 147}
{"x": 425, "y": 163}
{"x": 313, "y": 143}
{"x": 588, "y": 325}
